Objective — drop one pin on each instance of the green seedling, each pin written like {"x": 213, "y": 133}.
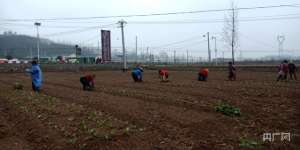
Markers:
{"x": 102, "y": 136}
{"x": 104, "y": 124}
{"x": 127, "y": 130}
{"x": 248, "y": 143}
{"x": 108, "y": 137}
{"x": 109, "y": 124}
{"x": 99, "y": 123}
{"x": 83, "y": 125}
{"x": 82, "y": 146}
{"x": 50, "y": 123}
{"x": 72, "y": 140}
{"x": 25, "y": 109}
{"x": 113, "y": 132}
{"x": 39, "y": 116}
{"x": 92, "y": 116}
{"x": 228, "y": 110}
{"x": 92, "y": 131}
{"x": 105, "y": 136}
{"x": 51, "y": 100}
{"x": 17, "y": 103}
{"x": 141, "y": 129}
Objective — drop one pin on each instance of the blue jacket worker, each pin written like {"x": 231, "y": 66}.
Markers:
{"x": 36, "y": 76}
{"x": 137, "y": 74}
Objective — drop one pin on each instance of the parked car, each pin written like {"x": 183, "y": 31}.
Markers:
{"x": 3, "y": 61}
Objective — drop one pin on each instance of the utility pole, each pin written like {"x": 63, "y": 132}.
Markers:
{"x": 223, "y": 56}
{"x": 150, "y": 57}
{"x": 99, "y": 51}
{"x": 280, "y": 39}
{"x": 233, "y": 35}
{"x": 147, "y": 57}
{"x": 208, "y": 46}
{"x": 174, "y": 56}
{"x": 122, "y": 22}
{"x": 216, "y": 54}
{"x": 30, "y": 53}
{"x": 99, "y": 48}
{"x": 37, "y": 24}
{"x": 187, "y": 57}
{"x": 136, "y": 54}
{"x": 143, "y": 55}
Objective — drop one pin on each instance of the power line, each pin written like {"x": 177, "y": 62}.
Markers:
{"x": 192, "y": 44}
{"x": 97, "y": 22}
{"x": 46, "y": 26}
{"x": 77, "y": 31}
{"x": 90, "y": 40}
{"x": 179, "y": 42}
{"x": 32, "y": 47}
{"x": 157, "y": 14}
{"x": 210, "y": 21}
{"x": 266, "y": 51}
{"x": 70, "y": 32}
{"x": 257, "y": 41}
{"x": 278, "y": 15}
{"x": 160, "y": 22}
{"x": 246, "y": 19}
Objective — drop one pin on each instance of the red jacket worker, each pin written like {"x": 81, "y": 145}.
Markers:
{"x": 88, "y": 82}
{"x": 163, "y": 75}
{"x": 203, "y": 74}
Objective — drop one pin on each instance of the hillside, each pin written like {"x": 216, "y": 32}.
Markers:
{"x": 23, "y": 46}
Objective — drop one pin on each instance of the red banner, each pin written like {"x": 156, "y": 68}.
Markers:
{"x": 106, "y": 45}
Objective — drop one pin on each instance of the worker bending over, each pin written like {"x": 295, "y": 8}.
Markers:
{"x": 203, "y": 74}
{"x": 163, "y": 75}
{"x": 88, "y": 82}
{"x": 137, "y": 74}
{"x": 283, "y": 71}
{"x": 292, "y": 71}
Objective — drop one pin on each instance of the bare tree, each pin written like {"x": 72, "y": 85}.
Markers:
{"x": 230, "y": 29}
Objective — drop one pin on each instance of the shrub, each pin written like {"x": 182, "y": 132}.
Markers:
{"x": 228, "y": 110}
{"x": 248, "y": 143}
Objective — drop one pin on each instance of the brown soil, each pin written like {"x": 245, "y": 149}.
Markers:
{"x": 121, "y": 114}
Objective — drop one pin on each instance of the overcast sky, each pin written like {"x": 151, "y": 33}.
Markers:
{"x": 257, "y": 37}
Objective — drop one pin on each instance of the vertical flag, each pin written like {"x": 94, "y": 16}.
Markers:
{"x": 106, "y": 45}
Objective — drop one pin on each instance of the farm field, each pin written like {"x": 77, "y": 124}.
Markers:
{"x": 121, "y": 114}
